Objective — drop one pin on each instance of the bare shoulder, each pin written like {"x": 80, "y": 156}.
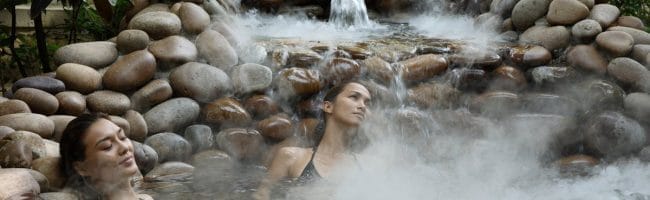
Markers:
{"x": 293, "y": 153}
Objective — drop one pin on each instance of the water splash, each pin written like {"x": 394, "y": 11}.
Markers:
{"x": 344, "y": 13}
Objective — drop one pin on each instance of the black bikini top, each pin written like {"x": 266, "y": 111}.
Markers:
{"x": 309, "y": 173}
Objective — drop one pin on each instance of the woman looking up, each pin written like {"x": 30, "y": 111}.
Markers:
{"x": 97, "y": 158}
{"x": 344, "y": 107}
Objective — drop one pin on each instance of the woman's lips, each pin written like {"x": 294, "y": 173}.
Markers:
{"x": 127, "y": 161}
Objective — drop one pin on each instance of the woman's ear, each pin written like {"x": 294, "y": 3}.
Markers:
{"x": 327, "y": 107}
{"x": 80, "y": 167}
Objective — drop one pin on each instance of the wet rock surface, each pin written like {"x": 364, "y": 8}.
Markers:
{"x": 130, "y": 72}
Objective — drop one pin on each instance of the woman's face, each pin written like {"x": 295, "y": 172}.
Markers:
{"x": 349, "y": 106}
{"x": 109, "y": 153}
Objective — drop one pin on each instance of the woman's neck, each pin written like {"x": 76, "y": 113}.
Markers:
{"x": 335, "y": 138}
{"x": 117, "y": 191}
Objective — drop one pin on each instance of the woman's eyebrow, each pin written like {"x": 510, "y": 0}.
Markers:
{"x": 107, "y": 137}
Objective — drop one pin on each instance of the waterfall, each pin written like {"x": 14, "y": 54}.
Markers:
{"x": 349, "y": 13}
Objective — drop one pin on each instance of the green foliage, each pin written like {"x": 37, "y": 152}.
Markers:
{"x": 89, "y": 22}
{"x": 638, "y": 8}
{"x": 27, "y": 51}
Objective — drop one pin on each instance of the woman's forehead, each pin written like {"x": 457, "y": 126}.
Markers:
{"x": 356, "y": 87}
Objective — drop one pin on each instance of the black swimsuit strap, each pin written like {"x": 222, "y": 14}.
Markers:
{"x": 310, "y": 170}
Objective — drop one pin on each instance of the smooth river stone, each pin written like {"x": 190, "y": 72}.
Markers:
{"x": 261, "y": 106}
{"x": 200, "y": 82}
{"x": 132, "y": 40}
{"x": 79, "y": 78}
{"x": 551, "y": 38}
{"x": 530, "y": 56}
{"x": 616, "y": 43}
{"x": 195, "y": 19}
{"x": 586, "y": 30}
{"x": 475, "y": 59}
{"x": 174, "y": 50}
{"x": 276, "y": 128}
{"x": 339, "y": 70}
{"x": 526, "y": 12}
{"x": 586, "y": 57}
{"x": 303, "y": 58}
{"x": 49, "y": 166}
{"x": 469, "y": 79}
{"x": 597, "y": 95}
{"x": 292, "y": 82}
{"x": 638, "y": 106}
{"x": 35, "y": 123}
{"x": 60, "y": 122}
{"x": 137, "y": 124}
{"x": 130, "y": 72}
{"x": 576, "y": 165}
{"x": 241, "y": 144}
{"x": 39, "y": 101}
{"x": 169, "y": 147}
{"x": 153, "y": 93}
{"x": 171, "y": 115}
{"x": 495, "y": 104}
{"x": 47, "y": 84}
{"x": 33, "y": 140}
{"x": 226, "y": 112}
{"x": 433, "y": 95}
{"x": 14, "y": 106}
{"x": 612, "y": 134}
{"x": 17, "y": 183}
{"x": 640, "y": 37}
{"x": 110, "y": 102}
{"x": 423, "y": 67}
{"x": 250, "y": 77}
{"x": 5, "y": 130}
{"x": 216, "y": 50}
{"x": 378, "y": 69}
{"x": 200, "y": 137}
{"x": 157, "y": 24}
{"x": 93, "y": 54}
{"x": 145, "y": 156}
{"x": 508, "y": 78}
{"x": 641, "y": 53}
{"x": 630, "y": 21}
{"x": 156, "y": 7}
{"x": 15, "y": 154}
{"x": 630, "y": 72}
{"x": 566, "y": 12}
{"x": 604, "y": 14}
{"x": 549, "y": 104}
{"x": 71, "y": 103}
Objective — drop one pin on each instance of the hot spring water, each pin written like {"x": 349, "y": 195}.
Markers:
{"x": 499, "y": 158}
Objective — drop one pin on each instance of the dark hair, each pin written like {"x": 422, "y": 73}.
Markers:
{"x": 73, "y": 150}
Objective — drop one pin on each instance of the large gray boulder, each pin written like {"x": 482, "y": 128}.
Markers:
{"x": 171, "y": 115}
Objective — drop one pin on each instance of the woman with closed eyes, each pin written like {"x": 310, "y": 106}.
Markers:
{"x": 97, "y": 159}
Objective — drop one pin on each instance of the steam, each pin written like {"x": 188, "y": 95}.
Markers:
{"x": 502, "y": 162}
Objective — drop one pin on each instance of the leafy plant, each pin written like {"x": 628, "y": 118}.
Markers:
{"x": 638, "y": 8}
{"x": 90, "y": 22}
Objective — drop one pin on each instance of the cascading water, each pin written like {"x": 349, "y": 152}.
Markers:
{"x": 346, "y": 13}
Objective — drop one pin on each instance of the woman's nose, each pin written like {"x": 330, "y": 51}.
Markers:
{"x": 123, "y": 146}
